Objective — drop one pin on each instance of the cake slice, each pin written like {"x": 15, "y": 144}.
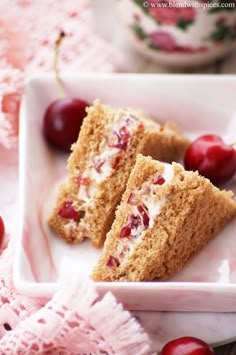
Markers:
{"x": 166, "y": 216}
{"x": 99, "y": 167}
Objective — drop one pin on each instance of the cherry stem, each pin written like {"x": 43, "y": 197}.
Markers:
{"x": 58, "y": 79}
{"x": 232, "y": 144}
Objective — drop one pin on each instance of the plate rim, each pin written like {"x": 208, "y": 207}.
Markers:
{"x": 48, "y": 288}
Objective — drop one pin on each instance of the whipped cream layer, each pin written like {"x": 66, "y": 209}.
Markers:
{"x": 145, "y": 207}
{"x": 117, "y": 137}
{"x": 154, "y": 207}
{"x": 116, "y": 141}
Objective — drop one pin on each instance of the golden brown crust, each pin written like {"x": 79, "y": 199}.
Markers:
{"x": 194, "y": 213}
{"x": 165, "y": 144}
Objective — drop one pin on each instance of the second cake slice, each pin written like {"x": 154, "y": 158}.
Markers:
{"x": 99, "y": 167}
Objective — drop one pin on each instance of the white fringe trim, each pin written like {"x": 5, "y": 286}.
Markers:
{"x": 123, "y": 333}
{"x": 116, "y": 325}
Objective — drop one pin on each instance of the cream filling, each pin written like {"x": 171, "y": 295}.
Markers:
{"x": 154, "y": 208}
{"x": 109, "y": 154}
{"x": 168, "y": 172}
{"x": 106, "y": 169}
{"x": 69, "y": 227}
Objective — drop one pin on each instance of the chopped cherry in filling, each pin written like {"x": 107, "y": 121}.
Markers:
{"x": 116, "y": 162}
{"x": 112, "y": 261}
{"x": 68, "y": 211}
{"x": 98, "y": 163}
{"x": 81, "y": 180}
{"x": 132, "y": 199}
{"x": 144, "y": 215}
{"x": 134, "y": 221}
{"x": 159, "y": 180}
{"x": 125, "y": 231}
{"x": 123, "y": 137}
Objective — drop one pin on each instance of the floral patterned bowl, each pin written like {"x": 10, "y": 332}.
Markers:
{"x": 178, "y": 32}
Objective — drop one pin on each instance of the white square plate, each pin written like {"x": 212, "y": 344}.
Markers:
{"x": 198, "y": 104}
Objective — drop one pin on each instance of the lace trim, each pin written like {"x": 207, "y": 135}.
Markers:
{"x": 74, "y": 321}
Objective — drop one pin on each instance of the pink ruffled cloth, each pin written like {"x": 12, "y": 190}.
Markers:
{"x": 28, "y": 31}
{"x": 75, "y": 321}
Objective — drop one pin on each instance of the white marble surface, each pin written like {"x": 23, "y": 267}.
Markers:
{"x": 215, "y": 328}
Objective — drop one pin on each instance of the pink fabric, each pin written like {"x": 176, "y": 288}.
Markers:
{"x": 28, "y": 31}
{"x": 11, "y": 86}
{"x": 75, "y": 320}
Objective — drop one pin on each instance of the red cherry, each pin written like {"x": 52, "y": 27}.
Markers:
{"x": 123, "y": 136}
{"x": 144, "y": 215}
{"x": 2, "y": 230}
{"x": 134, "y": 221}
{"x": 187, "y": 346}
{"x": 159, "y": 180}
{"x": 68, "y": 211}
{"x": 62, "y": 121}
{"x": 113, "y": 261}
{"x": 212, "y": 158}
{"x": 125, "y": 231}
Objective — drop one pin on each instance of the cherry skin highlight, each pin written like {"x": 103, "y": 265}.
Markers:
{"x": 212, "y": 158}
{"x": 187, "y": 346}
{"x": 2, "y": 230}
{"x": 62, "y": 121}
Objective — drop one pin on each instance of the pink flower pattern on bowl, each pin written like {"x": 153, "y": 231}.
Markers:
{"x": 162, "y": 40}
{"x": 169, "y": 15}
{"x": 179, "y": 33}
{"x": 181, "y": 17}
{"x": 166, "y": 42}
